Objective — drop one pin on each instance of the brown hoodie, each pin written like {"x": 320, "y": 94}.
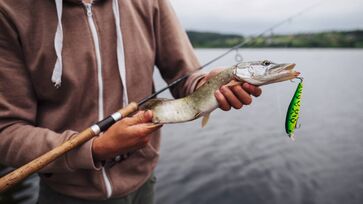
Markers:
{"x": 36, "y": 117}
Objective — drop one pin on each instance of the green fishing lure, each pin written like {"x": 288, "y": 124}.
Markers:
{"x": 292, "y": 115}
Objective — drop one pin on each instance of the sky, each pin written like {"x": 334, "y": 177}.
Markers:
{"x": 251, "y": 17}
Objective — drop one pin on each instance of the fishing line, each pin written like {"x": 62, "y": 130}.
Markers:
{"x": 244, "y": 42}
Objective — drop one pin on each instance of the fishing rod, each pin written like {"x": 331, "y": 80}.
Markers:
{"x": 37, "y": 164}
{"x": 236, "y": 47}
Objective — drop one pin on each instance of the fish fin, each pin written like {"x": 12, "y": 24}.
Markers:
{"x": 205, "y": 120}
{"x": 233, "y": 83}
{"x": 197, "y": 115}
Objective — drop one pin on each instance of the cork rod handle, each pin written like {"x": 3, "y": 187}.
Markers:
{"x": 35, "y": 165}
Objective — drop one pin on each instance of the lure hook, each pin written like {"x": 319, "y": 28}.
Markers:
{"x": 298, "y": 126}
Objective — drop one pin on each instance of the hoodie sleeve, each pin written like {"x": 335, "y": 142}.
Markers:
{"x": 175, "y": 56}
{"x": 20, "y": 140}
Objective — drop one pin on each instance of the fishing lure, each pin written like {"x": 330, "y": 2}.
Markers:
{"x": 292, "y": 115}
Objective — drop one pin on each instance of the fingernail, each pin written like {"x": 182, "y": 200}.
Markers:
{"x": 223, "y": 89}
{"x": 148, "y": 113}
{"x": 217, "y": 93}
{"x": 153, "y": 125}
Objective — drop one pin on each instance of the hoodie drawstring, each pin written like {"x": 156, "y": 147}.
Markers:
{"x": 58, "y": 45}
{"x": 120, "y": 51}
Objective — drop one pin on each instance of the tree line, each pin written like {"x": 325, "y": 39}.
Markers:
{"x": 332, "y": 39}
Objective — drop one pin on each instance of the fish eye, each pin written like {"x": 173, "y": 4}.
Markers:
{"x": 266, "y": 63}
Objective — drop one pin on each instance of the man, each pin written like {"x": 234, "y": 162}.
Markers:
{"x": 67, "y": 64}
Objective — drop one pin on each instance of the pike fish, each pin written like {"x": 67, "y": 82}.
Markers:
{"x": 202, "y": 101}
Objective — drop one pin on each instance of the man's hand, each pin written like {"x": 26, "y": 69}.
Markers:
{"x": 235, "y": 96}
{"x": 129, "y": 134}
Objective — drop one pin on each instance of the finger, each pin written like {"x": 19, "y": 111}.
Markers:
{"x": 254, "y": 90}
{"x": 144, "y": 129}
{"x": 222, "y": 101}
{"x": 231, "y": 98}
{"x": 140, "y": 117}
{"x": 242, "y": 95}
{"x": 153, "y": 125}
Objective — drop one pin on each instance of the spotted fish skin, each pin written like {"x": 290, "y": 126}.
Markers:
{"x": 199, "y": 103}
{"x": 292, "y": 114}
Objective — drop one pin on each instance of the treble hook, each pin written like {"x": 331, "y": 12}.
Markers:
{"x": 298, "y": 126}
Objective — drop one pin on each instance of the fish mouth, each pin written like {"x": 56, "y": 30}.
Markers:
{"x": 282, "y": 67}
{"x": 289, "y": 68}
{"x": 272, "y": 74}
{"x": 285, "y": 71}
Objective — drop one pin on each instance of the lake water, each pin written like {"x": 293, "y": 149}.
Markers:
{"x": 245, "y": 156}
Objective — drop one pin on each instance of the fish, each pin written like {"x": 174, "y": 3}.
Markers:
{"x": 202, "y": 101}
{"x": 292, "y": 115}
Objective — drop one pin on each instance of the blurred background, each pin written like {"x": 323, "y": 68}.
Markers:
{"x": 245, "y": 156}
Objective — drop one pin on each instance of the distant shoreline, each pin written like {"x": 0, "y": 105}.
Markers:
{"x": 332, "y": 39}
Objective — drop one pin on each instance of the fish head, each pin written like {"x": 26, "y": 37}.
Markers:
{"x": 264, "y": 72}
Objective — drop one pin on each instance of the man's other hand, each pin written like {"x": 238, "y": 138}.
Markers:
{"x": 234, "y": 96}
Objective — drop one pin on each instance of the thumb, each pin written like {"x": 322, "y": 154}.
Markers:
{"x": 141, "y": 117}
